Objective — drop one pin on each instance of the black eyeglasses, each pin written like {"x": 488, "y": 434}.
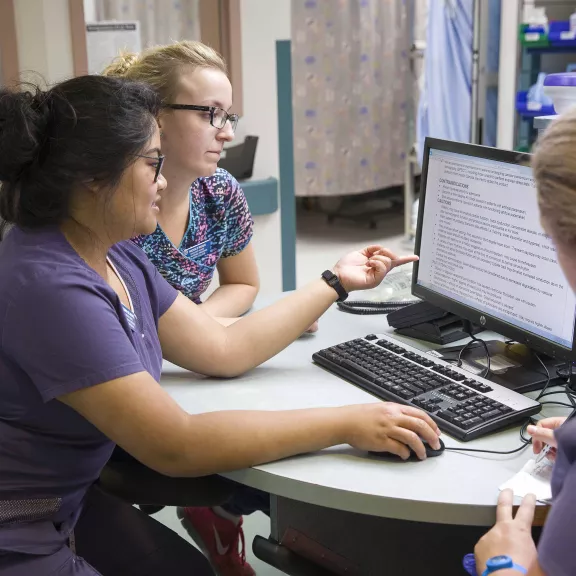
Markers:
{"x": 218, "y": 116}
{"x": 159, "y": 163}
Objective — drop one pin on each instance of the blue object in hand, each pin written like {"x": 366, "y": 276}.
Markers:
{"x": 469, "y": 563}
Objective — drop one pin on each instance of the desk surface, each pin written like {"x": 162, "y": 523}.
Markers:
{"x": 454, "y": 488}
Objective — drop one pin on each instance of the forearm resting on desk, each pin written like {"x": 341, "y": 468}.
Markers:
{"x": 239, "y": 285}
{"x": 230, "y": 300}
{"x": 197, "y": 342}
{"x": 164, "y": 437}
{"x": 233, "y": 440}
{"x": 259, "y": 336}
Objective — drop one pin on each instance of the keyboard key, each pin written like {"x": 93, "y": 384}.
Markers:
{"x": 425, "y": 387}
{"x": 447, "y": 415}
{"x": 491, "y": 415}
{"x": 413, "y": 388}
{"x": 357, "y": 369}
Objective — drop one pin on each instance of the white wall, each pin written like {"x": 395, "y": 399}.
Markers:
{"x": 263, "y": 22}
{"x": 44, "y": 41}
{"x": 507, "y": 73}
{"x": 90, "y": 10}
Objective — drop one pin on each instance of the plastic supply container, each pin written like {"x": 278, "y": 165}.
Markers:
{"x": 561, "y": 89}
{"x": 541, "y": 123}
{"x": 529, "y": 109}
{"x": 561, "y": 34}
{"x": 533, "y": 35}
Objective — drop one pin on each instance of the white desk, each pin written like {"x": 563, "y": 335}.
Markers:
{"x": 453, "y": 489}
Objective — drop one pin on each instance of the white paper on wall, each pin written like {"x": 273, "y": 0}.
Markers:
{"x": 106, "y": 40}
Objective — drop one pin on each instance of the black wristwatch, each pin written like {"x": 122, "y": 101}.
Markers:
{"x": 332, "y": 280}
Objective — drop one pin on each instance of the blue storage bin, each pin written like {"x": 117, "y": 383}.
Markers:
{"x": 531, "y": 109}
{"x": 559, "y": 34}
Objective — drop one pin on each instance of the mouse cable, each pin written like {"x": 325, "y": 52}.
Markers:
{"x": 558, "y": 404}
{"x": 525, "y": 443}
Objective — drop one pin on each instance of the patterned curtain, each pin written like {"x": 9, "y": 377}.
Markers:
{"x": 161, "y": 21}
{"x": 349, "y": 71}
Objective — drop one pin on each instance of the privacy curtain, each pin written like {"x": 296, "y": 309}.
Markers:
{"x": 349, "y": 74}
{"x": 445, "y": 102}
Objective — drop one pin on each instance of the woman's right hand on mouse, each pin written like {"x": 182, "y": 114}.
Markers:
{"x": 389, "y": 427}
{"x": 543, "y": 434}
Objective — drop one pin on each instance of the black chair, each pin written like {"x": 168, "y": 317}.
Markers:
{"x": 239, "y": 159}
{"x": 135, "y": 483}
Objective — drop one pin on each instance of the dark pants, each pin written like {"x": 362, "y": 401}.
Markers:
{"x": 141, "y": 485}
{"x": 114, "y": 539}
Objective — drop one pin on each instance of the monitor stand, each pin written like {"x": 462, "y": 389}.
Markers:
{"x": 511, "y": 365}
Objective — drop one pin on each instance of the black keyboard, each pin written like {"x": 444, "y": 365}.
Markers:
{"x": 463, "y": 406}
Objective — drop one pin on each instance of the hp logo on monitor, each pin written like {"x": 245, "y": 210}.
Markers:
{"x": 483, "y": 320}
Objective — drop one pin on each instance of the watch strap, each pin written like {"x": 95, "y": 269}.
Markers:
{"x": 513, "y": 566}
{"x": 334, "y": 282}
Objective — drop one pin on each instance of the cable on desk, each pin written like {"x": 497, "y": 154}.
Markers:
{"x": 474, "y": 339}
{"x": 569, "y": 392}
{"x": 547, "y": 376}
{"x": 546, "y": 371}
{"x": 367, "y": 307}
{"x": 555, "y": 392}
{"x": 525, "y": 443}
{"x": 469, "y": 345}
{"x": 556, "y": 404}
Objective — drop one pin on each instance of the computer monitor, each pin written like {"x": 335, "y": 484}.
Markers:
{"x": 483, "y": 253}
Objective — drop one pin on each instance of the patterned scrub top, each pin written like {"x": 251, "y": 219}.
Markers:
{"x": 220, "y": 225}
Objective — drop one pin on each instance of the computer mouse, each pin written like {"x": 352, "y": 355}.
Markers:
{"x": 430, "y": 453}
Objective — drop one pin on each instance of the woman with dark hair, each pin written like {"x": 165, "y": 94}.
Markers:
{"x": 85, "y": 319}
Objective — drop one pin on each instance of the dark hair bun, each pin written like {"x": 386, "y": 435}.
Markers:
{"x": 24, "y": 118}
{"x": 87, "y": 129}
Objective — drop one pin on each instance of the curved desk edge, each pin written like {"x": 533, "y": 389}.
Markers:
{"x": 348, "y": 501}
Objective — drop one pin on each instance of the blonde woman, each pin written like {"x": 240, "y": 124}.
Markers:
{"x": 205, "y": 223}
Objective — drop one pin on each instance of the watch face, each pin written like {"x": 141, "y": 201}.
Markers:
{"x": 500, "y": 562}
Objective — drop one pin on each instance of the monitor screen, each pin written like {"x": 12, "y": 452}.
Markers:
{"x": 481, "y": 245}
